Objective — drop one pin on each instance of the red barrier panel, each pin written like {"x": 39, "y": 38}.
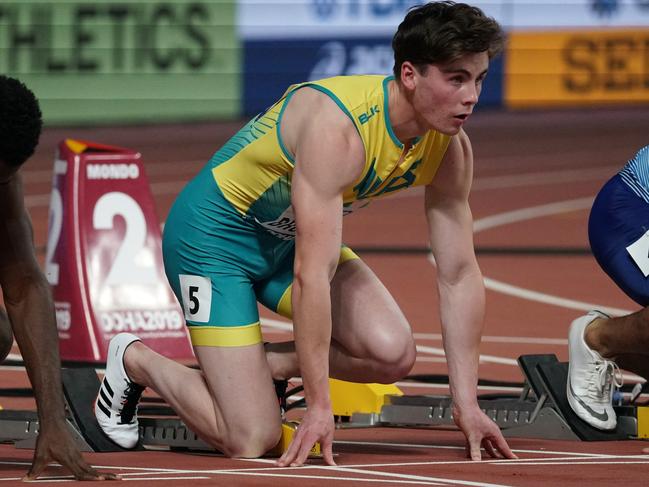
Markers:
{"x": 104, "y": 258}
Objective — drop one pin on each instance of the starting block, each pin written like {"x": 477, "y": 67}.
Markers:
{"x": 541, "y": 411}
{"x": 80, "y": 386}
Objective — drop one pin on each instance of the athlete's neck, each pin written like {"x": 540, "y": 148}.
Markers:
{"x": 402, "y": 115}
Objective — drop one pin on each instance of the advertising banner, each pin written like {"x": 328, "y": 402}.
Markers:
{"x": 103, "y": 61}
{"x": 292, "y": 41}
{"x": 271, "y": 66}
{"x": 577, "y": 67}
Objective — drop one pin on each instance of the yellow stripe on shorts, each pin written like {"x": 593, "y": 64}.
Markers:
{"x": 225, "y": 336}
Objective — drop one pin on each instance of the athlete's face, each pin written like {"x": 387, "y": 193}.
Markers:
{"x": 444, "y": 95}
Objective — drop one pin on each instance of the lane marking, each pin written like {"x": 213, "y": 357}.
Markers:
{"x": 422, "y": 481}
{"x": 448, "y": 447}
{"x": 605, "y": 462}
{"x": 501, "y": 339}
{"x": 531, "y": 212}
{"x": 519, "y": 292}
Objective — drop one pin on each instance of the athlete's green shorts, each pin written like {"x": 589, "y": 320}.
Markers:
{"x": 220, "y": 264}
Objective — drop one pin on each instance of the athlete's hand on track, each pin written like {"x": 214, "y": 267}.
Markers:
{"x": 479, "y": 430}
{"x": 55, "y": 443}
{"x": 317, "y": 425}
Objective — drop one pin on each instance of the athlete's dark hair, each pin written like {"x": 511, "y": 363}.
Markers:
{"x": 442, "y": 32}
{"x": 20, "y": 121}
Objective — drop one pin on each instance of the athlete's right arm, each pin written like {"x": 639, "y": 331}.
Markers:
{"x": 329, "y": 157}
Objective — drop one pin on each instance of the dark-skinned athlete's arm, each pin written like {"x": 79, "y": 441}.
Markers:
{"x": 30, "y": 309}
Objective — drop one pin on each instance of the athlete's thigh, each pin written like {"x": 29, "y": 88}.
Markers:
{"x": 619, "y": 218}
{"x": 366, "y": 319}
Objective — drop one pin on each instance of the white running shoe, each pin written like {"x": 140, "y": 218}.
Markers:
{"x": 591, "y": 378}
{"x": 116, "y": 403}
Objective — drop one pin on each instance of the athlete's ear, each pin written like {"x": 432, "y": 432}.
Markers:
{"x": 408, "y": 75}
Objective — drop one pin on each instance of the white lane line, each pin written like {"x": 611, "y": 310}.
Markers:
{"x": 483, "y": 358}
{"x": 127, "y": 479}
{"x": 400, "y": 476}
{"x": 422, "y": 481}
{"x": 519, "y": 292}
{"x": 596, "y": 463}
{"x": 570, "y": 454}
{"x": 500, "y": 339}
{"x": 524, "y": 214}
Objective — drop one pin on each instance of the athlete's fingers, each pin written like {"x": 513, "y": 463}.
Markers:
{"x": 502, "y": 446}
{"x": 289, "y": 455}
{"x": 305, "y": 447}
{"x": 474, "y": 446}
{"x": 327, "y": 453}
{"x": 489, "y": 448}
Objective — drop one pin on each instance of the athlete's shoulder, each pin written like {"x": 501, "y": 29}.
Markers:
{"x": 352, "y": 85}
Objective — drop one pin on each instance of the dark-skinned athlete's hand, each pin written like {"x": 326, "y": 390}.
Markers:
{"x": 55, "y": 443}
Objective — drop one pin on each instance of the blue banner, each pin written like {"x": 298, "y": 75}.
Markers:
{"x": 271, "y": 66}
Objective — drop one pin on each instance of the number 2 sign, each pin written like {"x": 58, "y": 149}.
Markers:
{"x": 104, "y": 259}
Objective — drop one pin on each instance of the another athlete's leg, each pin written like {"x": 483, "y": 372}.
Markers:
{"x": 371, "y": 338}
{"x": 232, "y": 404}
{"x": 620, "y": 335}
{"x": 6, "y": 336}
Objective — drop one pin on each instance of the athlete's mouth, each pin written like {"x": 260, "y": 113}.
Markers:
{"x": 463, "y": 116}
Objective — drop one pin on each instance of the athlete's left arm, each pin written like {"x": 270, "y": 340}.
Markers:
{"x": 461, "y": 292}
{"x": 30, "y": 309}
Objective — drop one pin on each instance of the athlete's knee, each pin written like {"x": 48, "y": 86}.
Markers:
{"x": 396, "y": 353}
{"x": 251, "y": 440}
{"x": 6, "y": 337}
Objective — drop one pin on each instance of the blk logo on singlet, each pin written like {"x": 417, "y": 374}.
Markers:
{"x": 365, "y": 117}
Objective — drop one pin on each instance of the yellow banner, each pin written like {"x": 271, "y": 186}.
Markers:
{"x": 577, "y": 68}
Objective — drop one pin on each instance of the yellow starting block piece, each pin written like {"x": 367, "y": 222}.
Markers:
{"x": 288, "y": 432}
{"x": 643, "y": 421}
{"x": 348, "y": 398}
